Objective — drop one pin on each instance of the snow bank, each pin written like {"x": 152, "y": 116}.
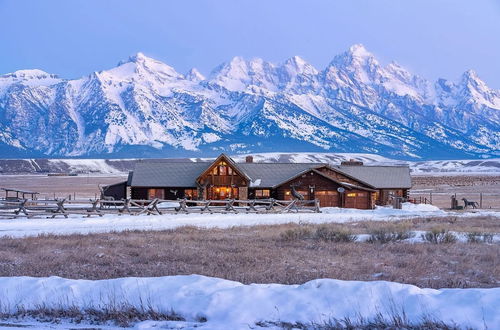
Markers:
{"x": 420, "y": 207}
{"x": 77, "y": 224}
{"x": 232, "y": 305}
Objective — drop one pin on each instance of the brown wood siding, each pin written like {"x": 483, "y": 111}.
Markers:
{"x": 385, "y": 194}
{"x": 117, "y": 191}
{"x": 340, "y": 177}
{"x": 223, "y": 180}
{"x": 327, "y": 189}
{"x": 139, "y": 193}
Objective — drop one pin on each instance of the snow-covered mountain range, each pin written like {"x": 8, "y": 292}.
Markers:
{"x": 145, "y": 108}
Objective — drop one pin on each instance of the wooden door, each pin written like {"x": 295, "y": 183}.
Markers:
{"x": 327, "y": 198}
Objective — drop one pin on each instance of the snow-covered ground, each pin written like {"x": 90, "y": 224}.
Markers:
{"x": 21, "y": 227}
{"x": 232, "y": 305}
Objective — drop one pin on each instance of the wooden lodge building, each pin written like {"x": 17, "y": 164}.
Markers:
{"x": 350, "y": 185}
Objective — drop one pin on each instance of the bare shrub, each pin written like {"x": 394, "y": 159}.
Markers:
{"x": 296, "y": 234}
{"x": 390, "y": 234}
{"x": 478, "y": 237}
{"x": 439, "y": 236}
{"x": 321, "y": 233}
{"x": 334, "y": 235}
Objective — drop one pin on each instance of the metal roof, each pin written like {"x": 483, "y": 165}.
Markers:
{"x": 266, "y": 175}
{"x": 272, "y": 174}
{"x": 158, "y": 174}
{"x": 379, "y": 176}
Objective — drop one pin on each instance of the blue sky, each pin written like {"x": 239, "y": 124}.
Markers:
{"x": 433, "y": 38}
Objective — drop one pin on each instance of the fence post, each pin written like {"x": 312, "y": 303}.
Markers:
{"x": 480, "y": 200}
{"x": 430, "y": 198}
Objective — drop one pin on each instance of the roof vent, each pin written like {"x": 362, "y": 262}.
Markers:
{"x": 249, "y": 159}
{"x": 352, "y": 162}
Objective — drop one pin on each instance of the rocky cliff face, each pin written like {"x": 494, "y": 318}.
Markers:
{"x": 144, "y": 107}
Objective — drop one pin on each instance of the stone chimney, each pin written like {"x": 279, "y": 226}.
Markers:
{"x": 352, "y": 162}
{"x": 249, "y": 159}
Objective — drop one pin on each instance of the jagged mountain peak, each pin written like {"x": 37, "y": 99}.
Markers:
{"x": 138, "y": 57}
{"x": 298, "y": 65}
{"x": 355, "y": 55}
{"x": 240, "y": 74}
{"x": 194, "y": 75}
{"x": 471, "y": 80}
{"x": 354, "y": 104}
{"x": 359, "y": 51}
{"x": 140, "y": 67}
{"x": 475, "y": 90}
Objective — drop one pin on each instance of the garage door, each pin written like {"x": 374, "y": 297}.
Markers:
{"x": 357, "y": 200}
{"x": 327, "y": 198}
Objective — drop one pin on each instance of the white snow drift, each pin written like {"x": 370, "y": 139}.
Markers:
{"x": 232, "y": 305}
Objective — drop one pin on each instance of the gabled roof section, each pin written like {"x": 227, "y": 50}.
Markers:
{"x": 336, "y": 169}
{"x": 314, "y": 170}
{"x": 269, "y": 175}
{"x": 167, "y": 174}
{"x": 230, "y": 162}
{"x": 379, "y": 177}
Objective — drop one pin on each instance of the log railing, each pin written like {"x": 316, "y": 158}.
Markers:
{"x": 52, "y": 208}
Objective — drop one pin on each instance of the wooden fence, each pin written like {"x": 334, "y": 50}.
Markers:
{"x": 64, "y": 207}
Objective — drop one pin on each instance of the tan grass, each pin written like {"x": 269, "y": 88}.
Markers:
{"x": 254, "y": 255}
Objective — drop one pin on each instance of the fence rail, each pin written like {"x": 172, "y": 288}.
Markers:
{"x": 64, "y": 207}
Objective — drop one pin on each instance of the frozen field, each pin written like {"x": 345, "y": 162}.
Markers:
{"x": 79, "y": 224}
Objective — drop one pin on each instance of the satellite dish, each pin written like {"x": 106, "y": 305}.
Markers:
{"x": 340, "y": 190}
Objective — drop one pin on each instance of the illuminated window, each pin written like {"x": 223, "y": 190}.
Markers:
{"x": 191, "y": 193}
{"x": 222, "y": 169}
{"x": 351, "y": 195}
{"x": 262, "y": 193}
{"x": 156, "y": 193}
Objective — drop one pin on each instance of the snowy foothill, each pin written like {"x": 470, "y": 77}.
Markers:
{"x": 78, "y": 224}
{"x": 213, "y": 303}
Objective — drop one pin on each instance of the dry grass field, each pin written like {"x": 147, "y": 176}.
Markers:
{"x": 263, "y": 254}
